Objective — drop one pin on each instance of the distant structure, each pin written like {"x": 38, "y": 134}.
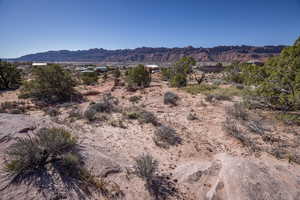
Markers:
{"x": 101, "y": 69}
{"x": 152, "y": 68}
{"x": 39, "y": 64}
{"x": 255, "y": 62}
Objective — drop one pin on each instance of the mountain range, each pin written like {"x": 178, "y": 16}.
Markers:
{"x": 161, "y": 54}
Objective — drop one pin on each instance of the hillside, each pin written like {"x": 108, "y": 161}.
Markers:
{"x": 147, "y": 54}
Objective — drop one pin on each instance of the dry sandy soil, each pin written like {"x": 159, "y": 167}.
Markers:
{"x": 208, "y": 164}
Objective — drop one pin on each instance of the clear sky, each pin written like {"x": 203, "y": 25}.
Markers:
{"x": 30, "y": 26}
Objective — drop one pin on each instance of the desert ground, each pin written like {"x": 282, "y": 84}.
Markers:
{"x": 207, "y": 163}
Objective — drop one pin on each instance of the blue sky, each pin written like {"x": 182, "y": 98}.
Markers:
{"x": 30, "y": 26}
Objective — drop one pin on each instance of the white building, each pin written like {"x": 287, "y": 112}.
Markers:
{"x": 39, "y": 64}
{"x": 152, "y": 66}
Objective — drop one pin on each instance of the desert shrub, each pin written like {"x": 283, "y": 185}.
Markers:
{"x": 237, "y": 111}
{"x": 289, "y": 118}
{"x": 90, "y": 114}
{"x": 138, "y": 77}
{"x": 49, "y": 146}
{"x": 10, "y": 76}
{"x": 51, "y": 111}
{"x": 51, "y": 84}
{"x": 159, "y": 186}
{"x": 233, "y": 73}
{"x": 135, "y": 99}
{"x": 147, "y": 117}
{"x": 143, "y": 116}
{"x": 107, "y": 104}
{"x": 89, "y": 78}
{"x": 117, "y": 123}
{"x": 13, "y": 107}
{"x": 170, "y": 98}
{"x": 117, "y": 73}
{"x": 184, "y": 65}
{"x": 177, "y": 75}
{"x": 166, "y": 74}
{"x": 255, "y": 126}
{"x": 191, "y": 116}
{"x": 277, "y": 83}
{"x": 165, "y": 136}
{"x": 52, "y": 151}
{"x": 74, "y": 114}
{"x": 178, "y": 80}
{"x": 231, "y": 127}
{"x": 146, "y": 166}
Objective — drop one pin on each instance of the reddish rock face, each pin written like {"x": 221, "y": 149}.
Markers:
{"x": 147, "y": 54}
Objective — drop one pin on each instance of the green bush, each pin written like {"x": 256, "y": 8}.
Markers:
{"x": 281, "y": 87}
{"x": 138, "y": 77}
{"x": 178, "y": 80}
{"x": 184, "y": 65}
{"x": 277, "y": 83}
{"x": 10, "y": 76}
{"x": 50, "y": 84}
{"x": 233, "y": 73}
{"x": 89, "y": 78}
{"x": 177, "y": 75}
{"x": 166, "y": 74}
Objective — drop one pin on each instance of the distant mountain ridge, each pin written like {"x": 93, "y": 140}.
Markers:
{"x": 161, "y": 54}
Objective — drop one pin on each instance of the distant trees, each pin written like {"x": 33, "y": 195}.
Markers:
{"x": 10, "y": 76}
{"x": 51, "y": 84}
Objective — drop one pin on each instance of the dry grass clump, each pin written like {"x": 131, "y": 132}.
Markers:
{"x": 170, "y": 98}
{"x": 159, "y": 186}
{"x": 166, "y": 136}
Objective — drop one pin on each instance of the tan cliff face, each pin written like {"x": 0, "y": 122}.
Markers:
{"x": 147, "y": 54}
